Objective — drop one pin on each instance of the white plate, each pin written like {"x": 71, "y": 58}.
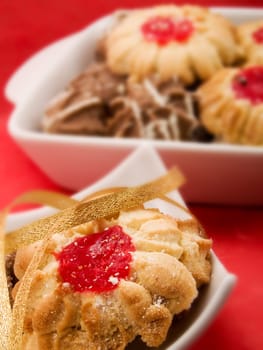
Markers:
{"x": 216, "y": 173}
{"x": 141, "y": 166}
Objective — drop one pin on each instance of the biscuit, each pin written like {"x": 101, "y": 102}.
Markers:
{"x": 231, "y": 105}
{"x": 159, "y": 265}
{"x": 190, "y": 42}
{"x": 250, "y": 36}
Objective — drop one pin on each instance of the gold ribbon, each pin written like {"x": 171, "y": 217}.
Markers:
{"x": 105, "y": 203}
{"x": 87, "y": 210}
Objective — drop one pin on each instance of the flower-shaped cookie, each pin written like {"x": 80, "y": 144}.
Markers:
{"x": 188, "y": 41}
{"x": 250, "y": 36}
{"x": 107, "y": 281}
{"x": 231, "y": 105}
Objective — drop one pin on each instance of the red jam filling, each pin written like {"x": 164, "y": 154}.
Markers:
{"x": 163, "y": 30}
{"x": 96, "y": 262}
{"x": 258, "y": 35}
{"x": 248, "y": 84}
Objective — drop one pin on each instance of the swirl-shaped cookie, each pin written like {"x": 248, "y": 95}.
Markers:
{"x": 107, "y": 281}
{"x": 231, "y": 105}
{"x": 188, "y": 41}
{"x": 250, "y": 36}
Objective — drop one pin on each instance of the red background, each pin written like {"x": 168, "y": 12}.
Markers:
{"x": 25, "y": 27}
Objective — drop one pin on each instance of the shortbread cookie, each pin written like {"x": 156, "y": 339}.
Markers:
{"x": 231, "y": 105}
{"x": 190, "y": 42}
{"x": 108, "y": 281}
{"x": 250, "y": 36}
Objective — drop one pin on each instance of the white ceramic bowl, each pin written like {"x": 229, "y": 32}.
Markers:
{"x": 141, "y": 166}
{"x": 216, "y": 173}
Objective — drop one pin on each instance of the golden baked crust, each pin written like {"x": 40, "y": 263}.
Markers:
{"x": 211, "y": 45}
{"x": 170, "y": 262}
{"x": 253, "y": 50}
{"x": 231, "y": 119}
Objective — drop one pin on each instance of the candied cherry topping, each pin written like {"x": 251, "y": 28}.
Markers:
{"x": 248, "y": 84}
{"x": 165, "y": 29}
{"x": 258, "y": 35}
{"x": 96, "y": 262}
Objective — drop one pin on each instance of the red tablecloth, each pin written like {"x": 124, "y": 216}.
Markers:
{"x": 25, "y": 27}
